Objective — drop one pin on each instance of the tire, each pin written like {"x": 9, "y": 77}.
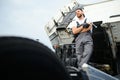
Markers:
{"x": 23, "y": 58}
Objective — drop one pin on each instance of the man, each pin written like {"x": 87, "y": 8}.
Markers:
{"x": 84, "y": 42}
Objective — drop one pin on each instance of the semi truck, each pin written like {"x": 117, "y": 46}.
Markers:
{"x": 105, "y": 16}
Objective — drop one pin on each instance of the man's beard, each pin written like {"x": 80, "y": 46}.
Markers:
{"x": 79, "y": 16}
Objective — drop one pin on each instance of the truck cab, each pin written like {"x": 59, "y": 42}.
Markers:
{"x": 106, "y": 38}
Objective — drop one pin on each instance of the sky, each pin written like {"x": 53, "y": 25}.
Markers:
{"x": 27, "y": 18}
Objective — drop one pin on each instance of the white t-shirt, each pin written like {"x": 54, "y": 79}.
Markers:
{"x": 76, "y": 19}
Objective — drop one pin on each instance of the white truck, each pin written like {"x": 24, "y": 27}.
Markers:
{"x": 106, "y": 35}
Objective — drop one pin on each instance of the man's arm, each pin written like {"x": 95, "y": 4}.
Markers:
{"x": 76, "y": 30}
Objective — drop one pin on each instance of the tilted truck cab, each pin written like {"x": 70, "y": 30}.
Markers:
{"x": 106, "y": 35}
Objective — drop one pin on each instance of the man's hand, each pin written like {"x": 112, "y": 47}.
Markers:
{"x": 87, "y": 29}
{"x": 85, "y": 25}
